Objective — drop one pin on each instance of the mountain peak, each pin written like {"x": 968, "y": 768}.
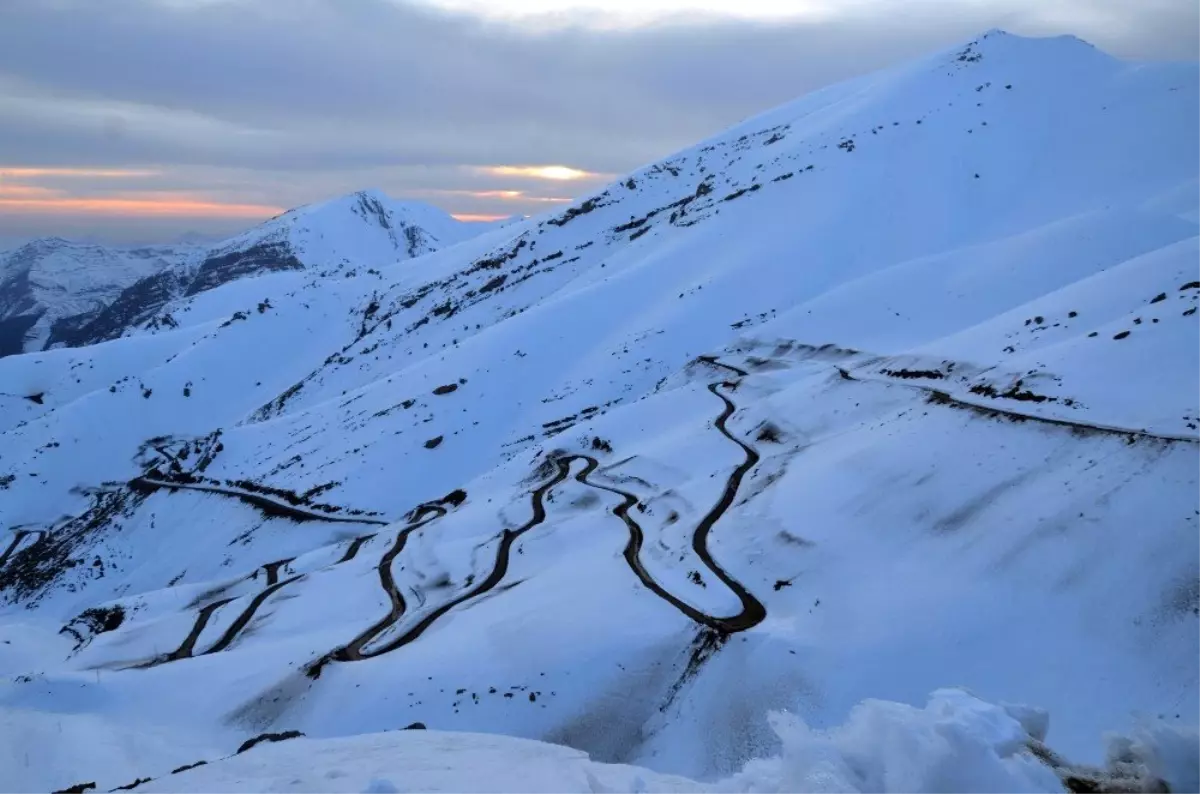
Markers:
{"x": 999, "y": 43}
{"x": 373, "y": 194}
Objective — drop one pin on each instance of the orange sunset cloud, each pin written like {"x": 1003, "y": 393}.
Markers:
{"x": 164, "y": 207}
{"x": 473, "y": 217}
{"x": 21, "y": 172}
{"x": 28, "y": 199}
{"x": 503, "y": 195}
{"x": 556, "y": 173}
{"x": 11, "y": 191}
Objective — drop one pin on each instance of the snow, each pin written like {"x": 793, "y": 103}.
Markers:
{"x": 965, "y": 472}
{"x": 367, "y": 228}
{"x": 58, "y": 280}
{"x": 957, "y": 742}
{"x": 64, "y": 278}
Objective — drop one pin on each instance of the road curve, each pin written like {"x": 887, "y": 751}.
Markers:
{"x": 507, "y": 538}
{"x": 741, "y": 373}
{"x": 272, "y": 569}
{"x": 353, "y": 650}
{"x": 355, "y": 545}
{"x": 240, "y": 622}
{"x": 752, "y": 613}
{"x": 184, "y": 651}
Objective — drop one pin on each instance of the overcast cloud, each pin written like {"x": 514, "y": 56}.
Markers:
{"x": 279, "y": 102}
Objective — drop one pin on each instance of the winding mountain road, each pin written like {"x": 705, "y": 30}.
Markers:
{"x": 272, "y": 570}
{"x": 353, "y": 650}
{"x": 361, "y": 647}
{"x": 185, "y": 649}
{"x": 752, "y": 612}
{"x": 943, "y": 397}
{"x": 352, "y": 550}
{"x": 244, "y": 618}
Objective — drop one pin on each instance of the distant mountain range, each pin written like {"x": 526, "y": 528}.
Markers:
{"x": 58, "y": 293}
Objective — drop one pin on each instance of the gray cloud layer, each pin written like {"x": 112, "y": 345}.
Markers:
{"x": 288, "y": 100}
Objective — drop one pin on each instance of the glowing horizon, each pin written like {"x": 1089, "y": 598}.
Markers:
{"x": 475, "y": 217}
{"x": 631, "y": 11}
{"x": 60, "y": 191}
{"x": 162, "y": 207}
{"x": 27, "y": 172}
{"x": 503, "y": 195}
{"x": 555, "y": 173}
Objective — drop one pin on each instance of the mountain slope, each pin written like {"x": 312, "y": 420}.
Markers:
{"x": 858, "y": 399}
{"x": 57, "y": 293}
{"x": 50, "y": 280}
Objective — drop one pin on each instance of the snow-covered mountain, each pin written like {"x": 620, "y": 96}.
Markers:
{"x": 55, "y": 293}
{"x": 887, "y": 389}
{"x": 52, "y": 279}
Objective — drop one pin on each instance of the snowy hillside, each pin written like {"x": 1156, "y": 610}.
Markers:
{"x": 56, "y": 293}
{"x": 52, "y": 279}
{"x": 888, "y": 389}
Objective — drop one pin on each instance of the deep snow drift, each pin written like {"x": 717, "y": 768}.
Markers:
{"x": 888, "y": 389}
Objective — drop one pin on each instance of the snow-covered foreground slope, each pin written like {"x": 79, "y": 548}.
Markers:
{"x": 957, "y": 742}
{"x": 888, "y": 389}
{"x": 54, "y": 292}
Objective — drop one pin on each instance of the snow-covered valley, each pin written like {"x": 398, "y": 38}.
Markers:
{"x": 890, "y": 389}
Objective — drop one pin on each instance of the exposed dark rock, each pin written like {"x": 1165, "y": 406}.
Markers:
{"x": 261, "y": 258}
{"x": 78, "y": 788}
{"x": 268, "y": 737}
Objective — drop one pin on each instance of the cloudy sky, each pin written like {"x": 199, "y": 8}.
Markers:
{"x": 146, "y": 120}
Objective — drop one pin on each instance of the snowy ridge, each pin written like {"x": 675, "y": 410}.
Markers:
{"x": 54, "y": 292}
{"x": 52, "y": 279}
{"x": 889, "y": 388}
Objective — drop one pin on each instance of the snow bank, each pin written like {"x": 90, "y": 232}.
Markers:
{"x": 961, "y": 743}
{"x": 955, "y": 743}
